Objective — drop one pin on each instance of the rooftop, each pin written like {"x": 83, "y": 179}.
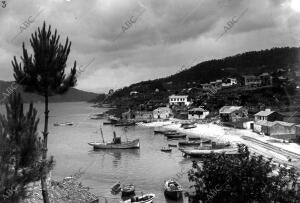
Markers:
{"x": 264, "y": 113}
{"x": 229, "y": 109}
{"x": 198, "y": 109}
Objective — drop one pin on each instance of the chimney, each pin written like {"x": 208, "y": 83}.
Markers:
{"x": 268, "y": 110}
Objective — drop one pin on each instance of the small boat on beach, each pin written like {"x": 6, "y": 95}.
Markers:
{"x": 172, "y": 145}
{"x": 189, "y": 126}
{"x": 173, "y": 190}
{"x": 166, "y": 149}
{"x": 64, "y": 124}
{"x": 147, "y": 198}
{"x": 203, "y": 140}
{"x": 128, "y": 190}
{"x": 158, "y": 131}
{"x": 176, "y": 136}
{"x": 116, "y": 188}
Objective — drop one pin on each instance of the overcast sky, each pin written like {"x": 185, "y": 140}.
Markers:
{"x": 163, "y": 37}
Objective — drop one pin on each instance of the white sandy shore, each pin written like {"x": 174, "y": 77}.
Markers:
{"x": 234, "y": 136}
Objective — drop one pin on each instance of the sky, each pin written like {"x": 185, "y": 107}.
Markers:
{"x": 120, "y": 42}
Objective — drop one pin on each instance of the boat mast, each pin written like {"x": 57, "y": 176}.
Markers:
{"x": 102, "y": 134}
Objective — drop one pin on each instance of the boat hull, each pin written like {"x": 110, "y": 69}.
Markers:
{"x": 175, "y": 136}
{"x": 125, "y": 145}
{"x": 173, "y": 195}
{"x": 173, "y": 190}
{"x": 148, "y": 198}
{"x": 208, "y": 152}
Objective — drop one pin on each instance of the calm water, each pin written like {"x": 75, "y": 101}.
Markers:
{"x": 147, "y": 168}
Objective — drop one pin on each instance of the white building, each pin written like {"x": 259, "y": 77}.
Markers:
{"x": 197, "y": 113}
{"x": 178, "y": 100}
{"x": 162, "y": 113}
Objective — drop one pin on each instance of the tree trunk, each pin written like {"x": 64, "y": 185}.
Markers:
{"x": 45, "y": 149}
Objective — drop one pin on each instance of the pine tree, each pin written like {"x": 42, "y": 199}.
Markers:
{"x": 20, "y": 150}
{"x": 44, "y": 74}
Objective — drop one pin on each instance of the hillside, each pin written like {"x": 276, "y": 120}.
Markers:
{"x": 253, "y": 62}
{"x": 73, "y": 95}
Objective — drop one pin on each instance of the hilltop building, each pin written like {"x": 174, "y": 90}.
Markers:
{"x": 251, "y": 81}
{"x": 179, "y": 100}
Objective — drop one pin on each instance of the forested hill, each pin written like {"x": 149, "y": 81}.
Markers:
{"x": 73, "y": 95}
{"x": 253, "y": 62}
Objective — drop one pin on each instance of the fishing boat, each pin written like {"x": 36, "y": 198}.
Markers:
{"x": 116, "y": 188}
{"x": 192, "y": 138}
{"x": 64, "y": 124}
{"x": 97, "y": 116}
{"x": 166, "y": 149}
{"x": 115, "y": 144}
{"x": 202, "y": 140}
{"x": 173, "y": 190}
{"x": 157, "y": 131}
{"x": 108, "y": 123}
{"x": 172, "y": 145}
{"x": 147, "y": 198}
{"x": 176, "y": 136}
{"x": 113, "y": 119}
{"x": 128, "y": 190}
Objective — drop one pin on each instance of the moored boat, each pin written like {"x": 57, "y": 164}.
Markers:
{"x": 125, "y": 124}
{"x": 189, "y": 143}
{"x": 166, "y": 149}
{"x": 128, "y": 190}
{"x": 176, "y": 136}
{"x": 147, "y": 198}
{"x": 170, "y": 132}
{"x": 157, "y": 131}
{"x": 111, "y": 145}
{"x": 172, "y": 145}
{"x": 173, "y": 190}
{"x": 64, "y": 124}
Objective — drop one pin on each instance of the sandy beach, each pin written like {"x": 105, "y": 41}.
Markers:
{"x": 258, "y": 144}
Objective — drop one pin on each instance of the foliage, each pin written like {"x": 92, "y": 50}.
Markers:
{"x": 245, "y": 178}
{"x": 44, "y": 74}
{"x": 20, "y": 150}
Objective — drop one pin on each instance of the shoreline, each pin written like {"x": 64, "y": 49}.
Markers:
{"x": 258, "y": 144}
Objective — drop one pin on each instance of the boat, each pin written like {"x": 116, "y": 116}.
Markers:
{"x": 147, "y": 198}
{"x": 125, "y": 124}
{"x": 108, "y": 123}
{"x": 207, "y": 150}
{"x": 116, "y": 188}
{"x": 115, "y": 144}
{"x": 172, "y": 145}
{"x": 128, "y": 190}
{"x": 173, "y": 190}
{"x": 189, "y": 126}
{"x": 113, "y": 119}
{"x": 97, "y": 116}
{"x": 193, "y": 138}
{"x": 170, "y": 132}
{"x": 111, "y": 145}
{"x": 189, "y": 143}
{"x": 166, "y": 149}
{"x": 202, "y": 140}
{"x": 64, "y": 124}
{"x": 176, "y": 136}
{"x": 159, "y": 131}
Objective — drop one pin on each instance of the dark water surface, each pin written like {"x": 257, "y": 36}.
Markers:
{"x": 147, "y": 168}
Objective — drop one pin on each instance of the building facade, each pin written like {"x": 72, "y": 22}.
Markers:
{"x": 178, "y": 100}
{"x": 251, "y": 81}
{"x": 162, "y": 113}
{"x": 197, "y": 113}
{"x": 233, "y": 113}
{"x": 268, "y": 115}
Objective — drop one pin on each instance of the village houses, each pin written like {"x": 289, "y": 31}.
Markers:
{"x": 162, "y": 113}
{"x": 233, "y": 113}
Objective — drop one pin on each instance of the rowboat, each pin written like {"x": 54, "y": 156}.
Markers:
{"x": 189, "y": 126}
{"x": 166, "y": 149}
{"x": 159, "y": 131}
{"x": 175, "y": 136}
{"x": 147, "y": 198}
{"x": 173, "y": 189}
{"x": 172, "y": 145}
{"x": 116, "y": 188}
{"x": 123, "y": 145}
{"x": 128, "y": 190}
{"x": 170, "y": 132}
{"x": 97, "y": 116}
{"x": 64, "y": 124}
{"x": 125, "y": 124}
